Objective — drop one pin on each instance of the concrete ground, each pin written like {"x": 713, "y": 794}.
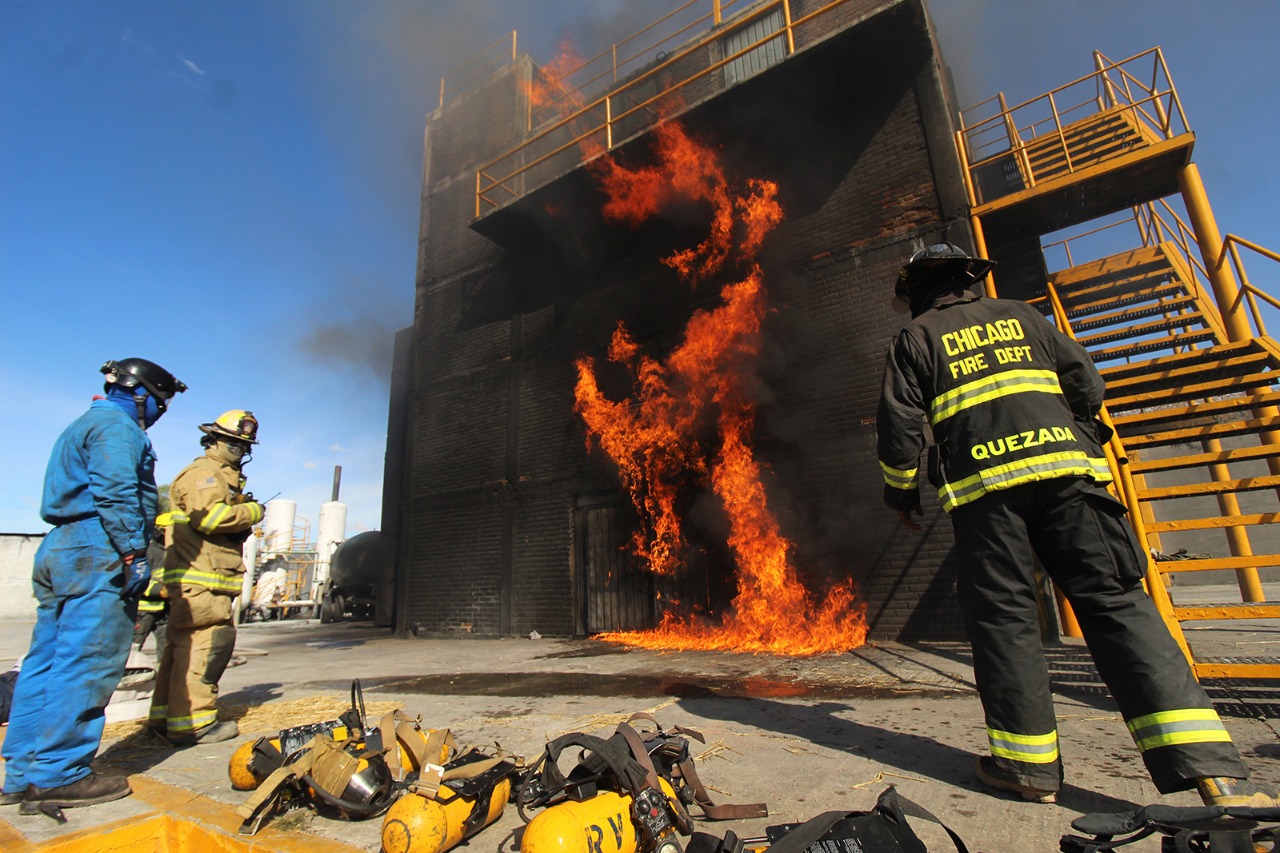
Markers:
{"x": 804, "y": 735}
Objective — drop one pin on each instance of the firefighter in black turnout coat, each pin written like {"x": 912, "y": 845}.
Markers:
{"x": 1016, "y": 458}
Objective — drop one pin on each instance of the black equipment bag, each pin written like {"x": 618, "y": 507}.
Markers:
{"x": 8, "y": 681}
{"x": 884, "y": 829}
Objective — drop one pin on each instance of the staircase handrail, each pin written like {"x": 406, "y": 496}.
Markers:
{"x": 597, "y": 116}
{"x": 1127, "y": 492}
{"x": 1249, "y": 292}
{"x": 478, "y": 64}
{"x": 1114, "y": 85}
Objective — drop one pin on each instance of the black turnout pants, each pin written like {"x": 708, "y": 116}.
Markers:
{"x": 1080, "y": 534}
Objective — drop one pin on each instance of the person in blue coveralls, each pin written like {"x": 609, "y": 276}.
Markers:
{"x": 90, "y": 570}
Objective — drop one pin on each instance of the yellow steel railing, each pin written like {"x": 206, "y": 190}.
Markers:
{"x": 468, "y": 73}
{"x": 1168, "y": 227}
{"x": 1126, "y": 491}
{"x": 627, "y": 102}
{"x": 1155, "y": 229}
{"x": 1152, "y": 103}
{"x": 1248, "y": 291}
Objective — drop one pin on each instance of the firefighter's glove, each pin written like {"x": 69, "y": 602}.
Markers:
{"x": 137, "y": 574}
{"x": 904, "y": 515}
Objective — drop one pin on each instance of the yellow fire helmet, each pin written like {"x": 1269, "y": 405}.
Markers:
{"x": 237, "y": 424}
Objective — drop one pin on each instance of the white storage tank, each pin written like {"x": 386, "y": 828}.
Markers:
{"x": 249, "y": 551}
{"x": 277, "y": 526}
{"x": 330, "y": 531}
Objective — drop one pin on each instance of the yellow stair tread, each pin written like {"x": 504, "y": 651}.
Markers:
{"x": 1216, "y": 430}
{"x": 1174, "y": 387}
{"x": 1218, "y": 487}
{"x": 1185, "y": 362}
{"x": 1116, "y": 264}
{"x": 1136, "y": 312}
{"x": 1195, "y": 460}
{"x": 1153, "y": 344}
{"x": 1244, "y": 670}
{"x": 1252, "y": 561}
{"x": 1110, "y": 297}
{"x": 1237, "y": 610}
{"x": 1209, "y": 523}
{"x": 1197, "y": 409}
{"x": 1177, "y": 321}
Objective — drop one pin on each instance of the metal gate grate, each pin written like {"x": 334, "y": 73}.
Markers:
{"x": 617, "y": 593}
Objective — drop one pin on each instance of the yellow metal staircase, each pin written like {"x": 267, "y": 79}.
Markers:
{"x": 1086, "y": 142}
{"x": 1191, "y": 385}
{"x": 1136, "y": 302}
{"x": 1172, "y": 414}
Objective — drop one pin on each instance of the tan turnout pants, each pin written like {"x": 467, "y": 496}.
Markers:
{"x": 201, "y": 638}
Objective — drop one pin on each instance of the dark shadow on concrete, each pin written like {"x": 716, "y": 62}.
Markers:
{"x": 909, "y": 753}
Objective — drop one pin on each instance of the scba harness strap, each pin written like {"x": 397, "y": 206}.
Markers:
{"x": 670, "y": 750}
{"x": 1196, "y": 829}
{"x": 653, "y": 767}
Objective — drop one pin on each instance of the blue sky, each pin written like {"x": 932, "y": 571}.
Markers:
{"x": 231, "y": 189}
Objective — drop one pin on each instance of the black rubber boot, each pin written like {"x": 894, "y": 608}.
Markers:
{"x": 216, "y": 733}
{"x": 89, "y": 791}
{"x": 988, "y": 775}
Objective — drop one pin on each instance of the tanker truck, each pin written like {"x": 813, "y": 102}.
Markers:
{"x": 353, "y": 574}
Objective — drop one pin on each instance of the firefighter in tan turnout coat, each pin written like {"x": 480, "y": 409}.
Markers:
{"x": 203, "y": 572}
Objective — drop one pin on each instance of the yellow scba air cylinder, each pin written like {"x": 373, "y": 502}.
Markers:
{"x": 240, "y": 767}
{"x": 602, "y": 824}
{"x": 415, "y": 824}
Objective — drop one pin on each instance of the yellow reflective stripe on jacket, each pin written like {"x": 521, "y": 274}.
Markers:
{"x": 255, "y": 510}
{"x": 1045, "y": 467}
{"x": 216, "y": 515}
{"x": 1168, "y": 728}
{"x": 195, "y": 577}
{"x": 989, "y": 388}
{"x": 1033, "y": 749}
{"x": 899, "y": 479}
{"x": 172, "y": 517}
{"x": 146, "y": 605}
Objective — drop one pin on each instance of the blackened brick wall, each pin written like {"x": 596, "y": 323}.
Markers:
{"x": 497, "y": 456}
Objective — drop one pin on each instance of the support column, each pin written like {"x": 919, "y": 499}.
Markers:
{"x": 1236, "y": 325}
{"x": 1221, "y": 278}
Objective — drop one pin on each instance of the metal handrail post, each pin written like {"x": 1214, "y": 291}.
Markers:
{"x": 1107, "y": 85}
{"x": 791, "y": 35}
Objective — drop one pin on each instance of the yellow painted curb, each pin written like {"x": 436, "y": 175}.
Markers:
{"x": 182, "y": 820}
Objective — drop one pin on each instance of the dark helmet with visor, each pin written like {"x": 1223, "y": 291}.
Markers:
{"x": 933, "y": 265}
{"x": 132, "y": 372}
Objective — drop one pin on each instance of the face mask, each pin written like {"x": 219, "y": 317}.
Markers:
{"x": 235, "y": 453}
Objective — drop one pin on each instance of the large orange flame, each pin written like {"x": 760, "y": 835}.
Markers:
{"x": 691, "y": 417}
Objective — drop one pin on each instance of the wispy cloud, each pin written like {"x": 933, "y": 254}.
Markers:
{"x": 308, "y": 464}
{"x": 192, "y": 66}
{"x": 337, "y": 448}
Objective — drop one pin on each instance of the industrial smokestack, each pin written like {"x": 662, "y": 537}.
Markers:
{"x": 337, "y": 481}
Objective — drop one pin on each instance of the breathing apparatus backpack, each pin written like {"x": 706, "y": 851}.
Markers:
{"x": 341, "y": 768}
{"x": 449, "y": 803}
{"x": 626, "y": 794}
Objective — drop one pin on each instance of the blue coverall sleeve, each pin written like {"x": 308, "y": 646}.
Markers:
{"x": 114, "y": 455}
